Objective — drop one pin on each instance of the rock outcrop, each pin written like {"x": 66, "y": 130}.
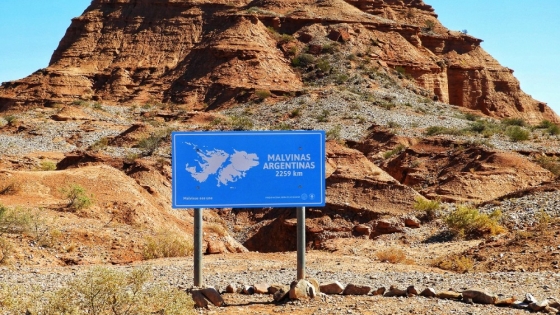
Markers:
{"x": 219, "y": 52}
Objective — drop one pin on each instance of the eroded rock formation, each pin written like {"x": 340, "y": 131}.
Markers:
{"x": 217, "y": 51}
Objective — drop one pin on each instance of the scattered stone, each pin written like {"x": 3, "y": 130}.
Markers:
{"x": 428, "y": 292}
{"x": 249, "y": 290}
{"x": 315, "y": 284}
{"x": 529, "y": 298}
{"x": 379, "y": 291}
{"x": 331, "y": 288}
{"x": 411, "y": 222}
{"x": 394, "y": 291}
{"x": 213, "y": 296}
{"x": 302, "y": 290}
{"x": 550, "y": 310}
{"x": 281, "y": 294}
{"x": 520, "y": 305}
{"x": 362, "y": 229}
{"x": 199, "y": 299}
{"x": 451, "y": 295}
{"x": 505, "y": 302}
{"x": 356, "y": 289}
{"x": 537, "y": 307}
{"x": 261, "y": 288}
{"x": 277, "y": 287}
{"x": 411, "y": 291}
{"x": 231, "y": 288}
{"x": 479, "y": 296}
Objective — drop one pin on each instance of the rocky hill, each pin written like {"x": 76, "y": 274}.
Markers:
{"x": 218, "y": 52}
{"x": 421, "y": 124}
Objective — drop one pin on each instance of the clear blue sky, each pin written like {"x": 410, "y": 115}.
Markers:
{"x": 521, "y": 35}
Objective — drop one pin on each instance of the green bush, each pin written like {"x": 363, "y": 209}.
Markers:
{"x": 550, "y": 127}
{"x": 303, "y": 60}
{"x": 47, "y": 166}
{"x": 77, "y": 196}
{"x": 468, "y": 221}
{"x": 324, "y": 116}
{"x": 240, "y": 123}
{"x": 262, "y": 94}
{"x": 14, "y": 220}
{"x": 334, "y": 133}
{"x": 439, "y": 130}
{"x": 516, "y": 133}
{"x": 6, "y": 250}
{"x": 514, "y": 122}
{"x": 471, "y": 117}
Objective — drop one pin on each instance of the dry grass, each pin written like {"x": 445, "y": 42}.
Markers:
{"x": 101, "y": 291}
{"x": 455, "y": 263}
{"x": 392, "y": 255}
{"x": 216, "y": 228}
{"x": 429, "y": 208}
{"x": 168, "y": 244}
{"x": 11, "y": 188}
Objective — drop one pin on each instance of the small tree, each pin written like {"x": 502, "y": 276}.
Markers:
{"x": 77, "y": 197}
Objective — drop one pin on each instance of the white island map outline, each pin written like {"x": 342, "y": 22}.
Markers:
{"x": 224, "y": 167}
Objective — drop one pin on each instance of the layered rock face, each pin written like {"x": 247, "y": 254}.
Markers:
{"x": 217, "y": 51}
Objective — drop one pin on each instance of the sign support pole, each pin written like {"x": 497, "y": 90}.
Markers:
{"x": 300, "y": 243}
{"x": 198, "y": 247}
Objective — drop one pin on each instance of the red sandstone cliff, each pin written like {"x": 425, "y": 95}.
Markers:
{"x": 216, "y": 51}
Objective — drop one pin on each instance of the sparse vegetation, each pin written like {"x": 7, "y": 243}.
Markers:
{"x": 467, "y": 221}
{"x": 397, "y": 150}
{"x": 240, "y": 123}
{"x": 429, "y": 208}
{"x": 47, "y": 166}
{"x": 517, "y": 133}
{"x": 439, "y": 130}
{"x": 457, "y": 263}
{"x": 77, "y": 196}
{"x": 391, "y": 255}
{"x": 549, "y": 126}
{"x": 550, "y": 163}
{"x": 262, "y": 94}
{"x": 303, "y": 60}
{"x": 101, "y": 291}
{"x": 100, "y": 144}
{"x": 11, "y": 188}
{"x": 10, "y": 119}
{"x": 334, "y": 133}
{"x": 167, "y": 244}
{"x": 324, "y": 116}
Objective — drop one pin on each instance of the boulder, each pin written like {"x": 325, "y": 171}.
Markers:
{"x": 388, "y": 226}
{"x": 411, "y": 222}
{"x": 199, "y": 299}
{"x": 379, "y": 291}
{"x": 394, "y": 291}
{"x": 231, "y": 288}
{"x": 452, "y": 295}
{"x": 281, "y": 294}
{"x": 520, "y": 305}
{"x": 261, "y": 288}
{"x": 362, "y": 229}
{"x": 479, "y": 296}
{"x": 411, "y": 291}
{"x": 277, "y": 287}
{"x": 538, "y": 306}
{"x": 529, "y": 298}
{"x": 505, "y": 302}
{"x": 213, "y": 296}
{"x": 356, "y": 289}
{"x": 315, "y": 284}
{"x": 302, "y": 290}
{"x": 428, "y": 292}
{"x": 332, "y": 288}
{"x": 249, "y": 290}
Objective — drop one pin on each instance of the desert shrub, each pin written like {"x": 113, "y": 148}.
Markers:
{"x": 149, "y": 144}
{"x": 341, "y": 78}
{"x": 97, "y": 106}
{"x": 167, "y": 244}
{"x": 467, "y": 221}
{"x": 47, "y": 166}
{"x": 10, "y": 188}
{"x": 240, "y": 123}
{"x": 334, "y": 133}
{"x": 77, "y": 196}
{"x": 100, "y": 144}
{"x": 514, "y": 122}
{"x": 101, "y": 291}
{"x": 262, "y": 94}
{"x": 429, "y": 25}
{"x": 457, "y": 263}
{"x": 6, "y": 249}
{"x": 470, "y": 117}
{"x": 14, "y": 220}
{"x": 429, "y": 208}
{"x": 295, "y": 113}
{"x": 216, "y": 228}
{"x": 550, "y": 127}
{"x": 516, "y": 133}
{"x": 543, "y": 220}
{"x": 485, "y": 127}
{"x": 391, "y": 255}
{"x": 439, "y": 130}
{"x": 10, "y": 119}
{"x": 324, "y": 116}
{"x": 330, "y": 48}
{"x": 303, "y": 60}
{"x": 79, "y": 102}
{"x": 324, "y": 65}
{"x": 550, "y": 163}
{"x": 284, "y": 39}
{"x": 397, "y": 150}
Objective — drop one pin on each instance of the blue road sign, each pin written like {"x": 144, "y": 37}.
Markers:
{"x": 250, "y": 169}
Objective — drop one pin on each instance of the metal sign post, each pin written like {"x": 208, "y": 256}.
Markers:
{"x": 248, "y": 169}
{"x": 198, "y": 247}
{"x": 300, "y": 243}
